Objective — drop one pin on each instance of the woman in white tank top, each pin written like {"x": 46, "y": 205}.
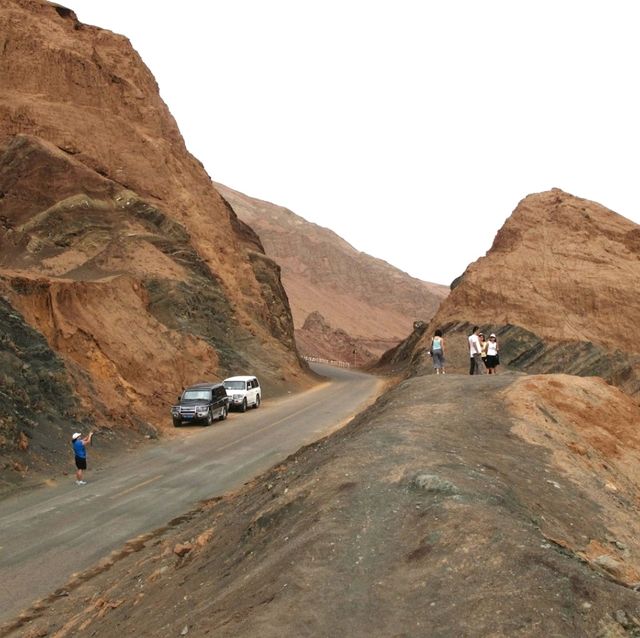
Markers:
{"x": 493, "y": 358}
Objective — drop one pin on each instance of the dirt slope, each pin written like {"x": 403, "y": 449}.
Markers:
{"x": 559, "y": 287}
{"x": 37, "y": 404}
{"x": 456, "y": 506}
{"x": 367, "y": 298}
{"x": 114, "y": 244}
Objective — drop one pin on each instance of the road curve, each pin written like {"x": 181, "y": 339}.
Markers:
{"x": 50, "y": 533}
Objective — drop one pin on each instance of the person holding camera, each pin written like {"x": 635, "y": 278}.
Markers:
{"x": 79, "y": 444}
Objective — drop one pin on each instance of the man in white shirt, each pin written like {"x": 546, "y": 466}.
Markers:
{"x": 475, "y": 350}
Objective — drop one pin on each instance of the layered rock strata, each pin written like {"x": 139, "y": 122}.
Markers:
{"x": 115, "y": 246}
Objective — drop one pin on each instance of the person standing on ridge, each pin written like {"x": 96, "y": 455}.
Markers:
{"x": 483, "y": 349}
{"x": 79, "y": 444}
{"x": 493, "y": 358}
{"x": 437, "y": 352}
{"x": 475, "y": 352}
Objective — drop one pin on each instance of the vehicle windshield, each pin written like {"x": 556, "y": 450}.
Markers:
{"x": 234, "y": 385}
{"x": 194, "y": 395}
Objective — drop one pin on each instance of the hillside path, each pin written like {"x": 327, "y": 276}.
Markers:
{"x": 48, "y": 534}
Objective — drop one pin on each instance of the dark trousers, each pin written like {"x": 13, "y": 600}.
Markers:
{"x": 475, "y": 364}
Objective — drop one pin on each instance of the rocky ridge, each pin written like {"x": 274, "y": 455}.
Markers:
{"x": 455, "y": 506}
{"x": 558, "y": 287}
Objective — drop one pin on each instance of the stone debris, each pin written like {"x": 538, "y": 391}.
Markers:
{"x": 182, "y": 549}
{"x": 23, "y": 442}
{"x": 433, "y": 483}
{"x": 204, "y": 538}
{"x": 609, "y": 564}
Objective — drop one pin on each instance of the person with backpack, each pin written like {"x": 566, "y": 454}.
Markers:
{"x": 437, "y": 352}
{"x": 79, "y": 444}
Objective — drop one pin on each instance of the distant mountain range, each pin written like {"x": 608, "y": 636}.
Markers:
{"x": 366, "y": 299}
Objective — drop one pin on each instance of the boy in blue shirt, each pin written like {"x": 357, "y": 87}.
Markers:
{"x": 79, "y": 444}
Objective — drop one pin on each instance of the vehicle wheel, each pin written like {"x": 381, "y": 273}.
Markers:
{"x": 209, "y": 417}
{"x": 256, "y": 405}
{"x": 243, "y": 407}
{"x": 223, "y": 416}
{"x": 177, "y": 423}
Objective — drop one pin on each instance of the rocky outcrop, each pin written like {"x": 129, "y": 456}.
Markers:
{"x": 559, "y": 287}
{"x": 367, "y": 298}
{"x": 115, "y": 247}
{"x": 36, "y": 400}
{"x": 317, "y": 339}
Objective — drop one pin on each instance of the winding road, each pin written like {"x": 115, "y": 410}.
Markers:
{"x": 50, "y": 533}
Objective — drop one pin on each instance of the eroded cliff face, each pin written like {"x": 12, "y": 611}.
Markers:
{"x": 559, "y": 287}
{"x": 372, "y": 302}
{"x": 114, "y": 244}
{"x": 561, "y": 266}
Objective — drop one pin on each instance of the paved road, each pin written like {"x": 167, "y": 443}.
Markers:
{"x": 50, "y": 533}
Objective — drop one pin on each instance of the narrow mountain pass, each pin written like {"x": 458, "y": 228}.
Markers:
{"x": 455, "y": 506}
{"x": 48, "y": 534}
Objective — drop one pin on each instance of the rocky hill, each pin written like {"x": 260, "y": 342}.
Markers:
{"x": 367, "y": 298}
{"x": 559, "y": 287}
{"x": 326, "y": 343}
{"x": 456, "y": 506}
{"x": 123, "y": 272}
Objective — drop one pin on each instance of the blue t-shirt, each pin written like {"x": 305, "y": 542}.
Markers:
{"x": 79, "y": 448}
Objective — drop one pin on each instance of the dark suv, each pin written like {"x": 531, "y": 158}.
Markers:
{"x": 201, "y": 403}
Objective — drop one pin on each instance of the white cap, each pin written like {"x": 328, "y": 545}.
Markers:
{"x": 492, "y": 335}
{"x": 75, "y": 435}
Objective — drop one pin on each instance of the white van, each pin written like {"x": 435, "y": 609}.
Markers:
{"x": 243, "y": 391}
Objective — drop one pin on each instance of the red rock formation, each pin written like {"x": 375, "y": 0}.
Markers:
{"x": 367, "y": 298}
{"x": 560, "y": 286}
{"x": 317, "y": 339}
{"x": 114, "y": 244}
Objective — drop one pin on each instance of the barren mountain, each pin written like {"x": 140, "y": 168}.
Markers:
{"x": 116, "y": 251}
{"x": 367, "y": 298}
{"x": 456, "y": 507}
{"x": 318, "y": 337}
{"x": 559, "y": 287}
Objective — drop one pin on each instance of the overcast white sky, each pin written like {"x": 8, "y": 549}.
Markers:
{"x": 410, "y": 128}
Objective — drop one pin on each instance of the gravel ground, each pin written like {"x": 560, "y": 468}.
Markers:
{"x": 426, "y": 516}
